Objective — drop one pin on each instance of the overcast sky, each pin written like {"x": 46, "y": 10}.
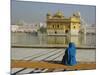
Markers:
{"x": 35, "y": 12}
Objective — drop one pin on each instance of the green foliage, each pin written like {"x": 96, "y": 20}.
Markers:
{"x": 43, "y": 29}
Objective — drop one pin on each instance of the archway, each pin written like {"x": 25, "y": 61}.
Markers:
{"x": 66, "y": 31}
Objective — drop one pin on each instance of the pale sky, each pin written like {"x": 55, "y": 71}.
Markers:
{"x": 35, "y": 12}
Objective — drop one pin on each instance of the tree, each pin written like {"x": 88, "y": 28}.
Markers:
{"x": 43, "y": 30}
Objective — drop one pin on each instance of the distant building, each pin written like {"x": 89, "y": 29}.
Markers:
{"x": 14, "y": 28}
{"x": 91, "y": 30}
{"x": 88, "y": 29}
{"x": 24, "y": 28}
{"x": 57, "y": 24}
{"x": 43, "y": 25}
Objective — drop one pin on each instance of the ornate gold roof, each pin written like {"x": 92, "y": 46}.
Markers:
{"x": 77, "y": 14}
{"x": 59, "y": 14}
{"x": 48, "y": 14}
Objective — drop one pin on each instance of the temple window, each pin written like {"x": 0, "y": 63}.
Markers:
{"x": 55, "y": 32}
{"x": 58, "y": 26}
{"x": 53, "y": 26}
{"x": 74, "y": 27}
{"x": 66, "y": 31}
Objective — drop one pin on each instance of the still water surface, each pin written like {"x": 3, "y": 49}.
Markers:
{"x": 43, "y": 39}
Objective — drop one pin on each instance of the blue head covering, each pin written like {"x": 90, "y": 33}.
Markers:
{"x": 72, "y": 49}
{"x": 70, "y": 55}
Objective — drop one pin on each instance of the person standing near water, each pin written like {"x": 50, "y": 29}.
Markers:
{"x": 69, "y": 57}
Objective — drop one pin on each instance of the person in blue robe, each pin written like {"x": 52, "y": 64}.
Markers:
{"x": 69, "y": 57}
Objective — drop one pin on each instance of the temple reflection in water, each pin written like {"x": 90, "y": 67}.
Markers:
{"x": 57, "y": 40}
{"x": 64, "y": 40}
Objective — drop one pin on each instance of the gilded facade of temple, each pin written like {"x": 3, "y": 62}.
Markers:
{"x": 58, "y": 24}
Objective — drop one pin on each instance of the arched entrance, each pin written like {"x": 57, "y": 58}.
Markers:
{"x": 66, "y": 31}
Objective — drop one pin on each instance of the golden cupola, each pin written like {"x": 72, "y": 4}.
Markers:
{"x": 59, "y": 14}
{"x": 49, "y": 16}
{"x": 77, "y": 14}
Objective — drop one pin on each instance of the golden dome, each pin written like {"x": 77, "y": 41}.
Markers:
{"x": 48, "y": 14}
{"x": 77, "y": 14}
{"x": 59, "y": 14}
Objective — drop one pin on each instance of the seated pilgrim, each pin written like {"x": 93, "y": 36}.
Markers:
{"x": 69, "y": 57}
